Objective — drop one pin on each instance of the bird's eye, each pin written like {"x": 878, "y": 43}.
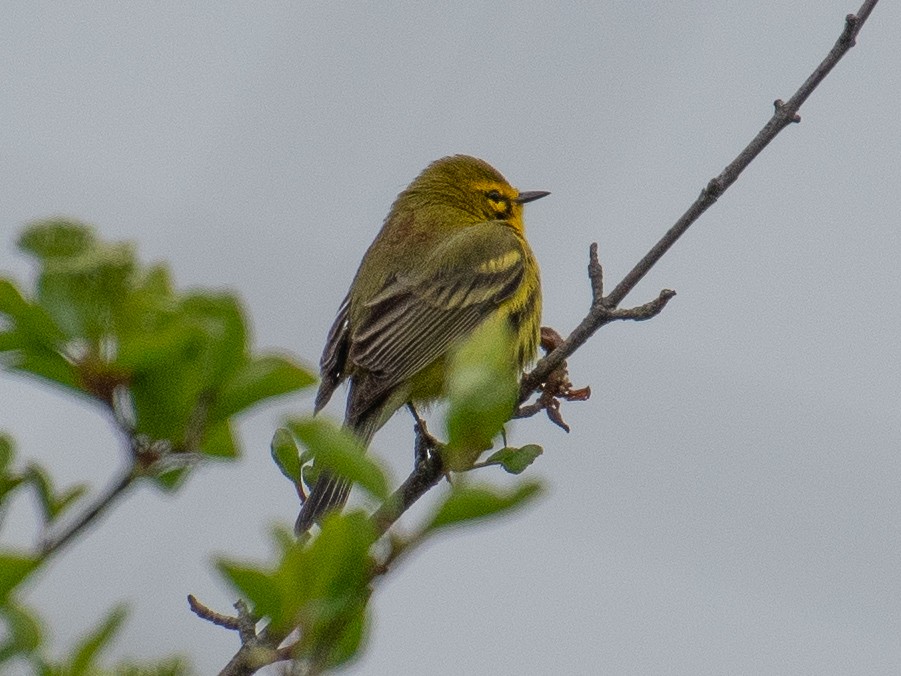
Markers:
{"x": 499, "y": 204}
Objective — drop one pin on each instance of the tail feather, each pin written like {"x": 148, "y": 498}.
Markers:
{"x": 330, "y": 491}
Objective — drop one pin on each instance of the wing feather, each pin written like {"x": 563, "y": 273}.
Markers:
{"x": 334, "y": 355}
{"x": 418, "y": 316}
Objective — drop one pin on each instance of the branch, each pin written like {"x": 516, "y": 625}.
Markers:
{"x": 785, "y": 114}
{"x": 146, "y": 458}
{"x": 52, "y": 544}
{"x": 244, "y": 623}
{"x": 428, "y": 472}
{"x": 257, "y": 650}
{"x": 604, "y": 309}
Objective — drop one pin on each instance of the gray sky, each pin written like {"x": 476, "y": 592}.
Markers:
{"x": 728, "y": 500}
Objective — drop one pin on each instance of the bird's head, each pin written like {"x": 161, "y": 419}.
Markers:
{"x": 469, "y": 186}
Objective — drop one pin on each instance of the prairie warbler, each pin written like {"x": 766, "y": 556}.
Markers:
{"x": 450, "y": 255}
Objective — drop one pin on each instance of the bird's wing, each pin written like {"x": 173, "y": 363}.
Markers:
{"x": 334, "y": 356}
{"x": 420, "y": 314}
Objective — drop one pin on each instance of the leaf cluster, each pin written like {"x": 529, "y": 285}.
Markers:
{"x": 320, "y": 585}
{"x": 174, "y": 367}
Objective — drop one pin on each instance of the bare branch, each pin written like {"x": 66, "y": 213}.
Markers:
{"x": 646, "y": 311}
{"x": 428, "y": 472}
{"x": 604, "y": 309}
{"x": 784, "y": 115}
{"x": 256, "y": 652}
{"x": 238, "y": 623}
{"x": 595, "y": 274}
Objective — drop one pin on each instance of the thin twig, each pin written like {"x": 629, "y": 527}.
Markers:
{"x": 210, "y": 615}
{"x": 595, "y": 274}
{"x": 427, "y": 473}
{"x": 54, "y": 543}
{"x": 604, "y": 309}
{"x": 256, "y": 652}
{"x": 784, "y": 115}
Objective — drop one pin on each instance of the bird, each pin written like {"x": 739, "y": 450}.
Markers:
{"x": 451, "y": 255}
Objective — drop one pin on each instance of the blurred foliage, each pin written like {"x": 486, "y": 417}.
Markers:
{"x": 321, "y": 584}
{"x": 23, "y": 647}
{"x": 514, "y": 460}
{"x": 483, "y": 386}
{"x": 174, "y": 368}
{"x": 471, "y": 503}
{"x": 338, "y": 450}
{"x": 52, "y": 503}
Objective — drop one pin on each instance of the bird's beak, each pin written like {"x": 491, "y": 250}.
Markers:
{"x": 531, "y": 196}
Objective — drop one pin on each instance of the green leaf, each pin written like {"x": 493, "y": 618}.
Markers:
{"x": 166, "y": 395}
{"x": 9, "y": 480}
{"x": 7, "y": 451}
{"x": 470, "y": 503}
{"x": 84, "y": 293}
{"x": 171, "y": 479}
{"x": 48, "y": 365}
{"x": 23, "y": 632}
{"x": 254, "y": 584}
{"x": 33, "y": 326}
{"x": 286, "y": 454}
{"x": 341, "y": 452}
{"x": 9, "y": 341}
{"x": 219, "y": 441}
{"x": 156, "y": 282}
{"x": 340, "y": 641}
{"x": 44, "y": 488}
{"x": 152, "y": 297}
{"x": 182, "y": 364}
{"x": 8, "y": 483}
{"x": 339, "y": 556}
{"x": 51, "y": 366}
{"x": 68, "y": 498}
{"x": 284, "y": 537}
{"x": 170, "y": 666}
{"x": 319, "y": 585}
{"x": 515, "y": 460}
{"x": 258, "y": 379}
{"x": 221, "y": 320}
{"x": 82, "y": 284}
{"x": 13, "y": 569}
{"x": 482, "y": 390}
{"x": 53, "y": 504}
{"x": 56, "y": 238}
{"x": 87, "y": 650}
{"x": 337, "y": 571}
{"x": 171, "y": 340}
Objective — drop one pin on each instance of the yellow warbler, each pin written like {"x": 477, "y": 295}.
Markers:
{"x": 450, "y": 255}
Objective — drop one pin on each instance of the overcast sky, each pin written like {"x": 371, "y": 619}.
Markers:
{"x": 729, "y": 500}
